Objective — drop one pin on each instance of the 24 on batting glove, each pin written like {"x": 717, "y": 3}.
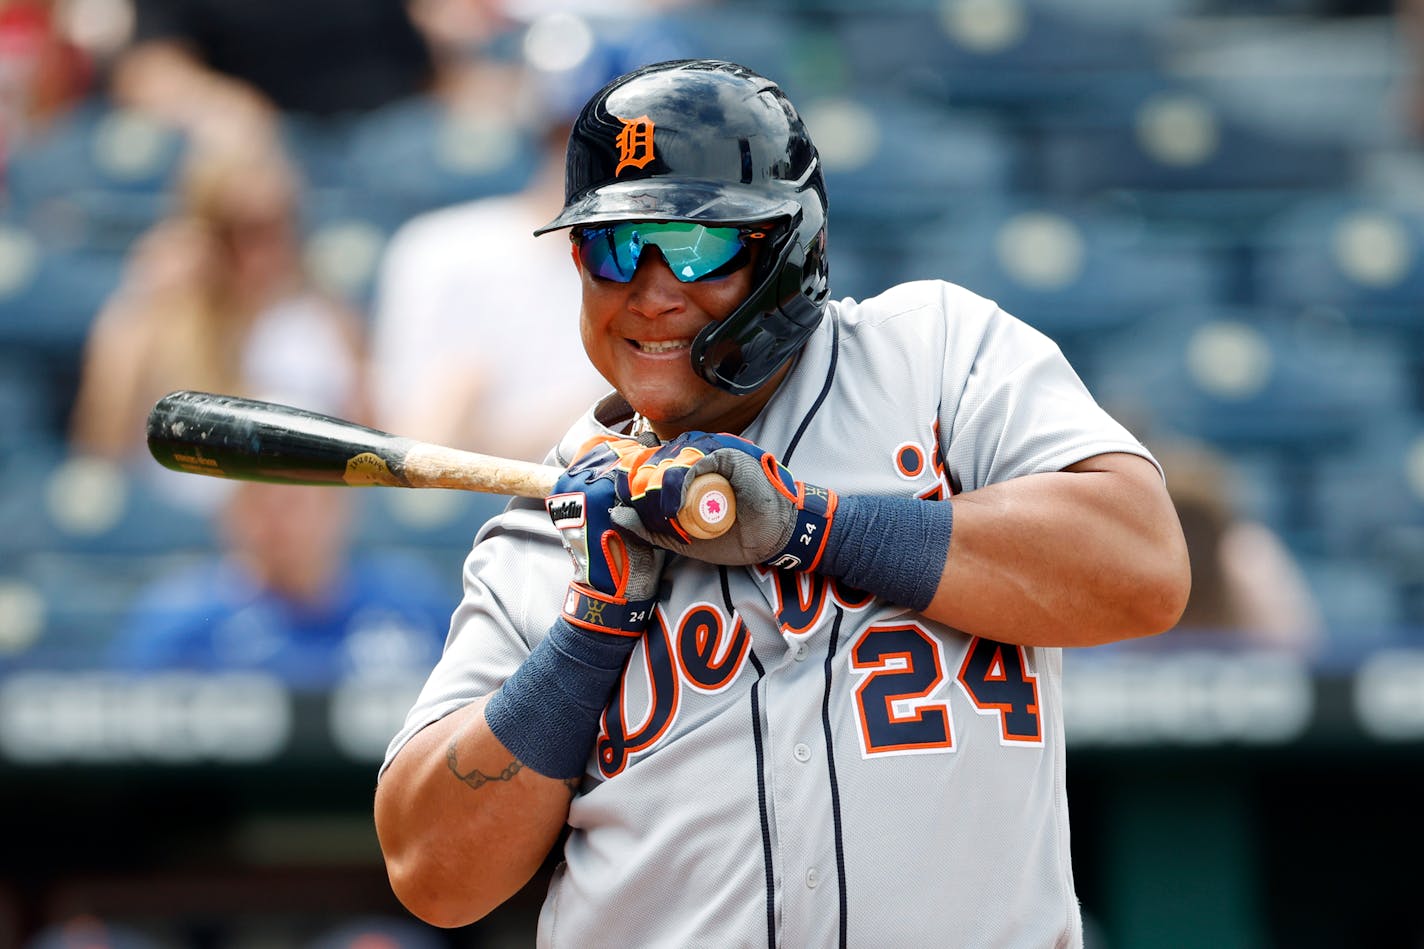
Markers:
{"x": 547, "y": 713}
{"x": 616, "y": 573}
{"x": 780, "y": 522}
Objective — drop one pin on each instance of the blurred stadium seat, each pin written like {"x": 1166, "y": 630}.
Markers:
{"x": 81, "y": 538}
{"x": 1073, "y": 271}
{"x": 893, "y": 167}
{"x": 1164, "y": 135}
{"x": 1370, "y": 506}
{"x": 1259, "y": 385}
{"x": 891, "y": 158}
{"x": 49, "y": 294}
{"x": 439, "y": 523}
{"x": 78, "y": 600}
{"x": 1021, "y": 58}
{"x": 1361, "y": 604}
{"x": 1254, "y": 378}
{"x": 417, "y": 155}
{"x": 799, "y": 52}
{"x": 1320, "y": 80}
{"x": 28, "y": 410}
{"x": 85, "y": 506}
{"x": 101, "y": 173}
{"x": 344, "y": 233}
{"x": 1357, "y": 252}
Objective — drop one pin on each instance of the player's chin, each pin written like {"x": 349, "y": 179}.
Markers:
{"x": 667, "y": 399}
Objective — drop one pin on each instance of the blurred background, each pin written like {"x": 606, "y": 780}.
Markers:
{"x": 1216, "y": 208}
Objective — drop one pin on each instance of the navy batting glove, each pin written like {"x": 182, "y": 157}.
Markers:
{"x": 780, "y": 522}
{"x": 616, "y": 574}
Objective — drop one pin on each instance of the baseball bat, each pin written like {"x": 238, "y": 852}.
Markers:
{"x": 224, "y": 436}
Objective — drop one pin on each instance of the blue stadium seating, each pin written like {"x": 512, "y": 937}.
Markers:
{"x": 61, "y": 505}
{"x": 1074, "y": 271}
{"x": 418, "y": 155}
{"x": 1359, "y": 256}
{"x": 1259, "y": 385}
{"x": 1371, "y": 498}
{"x": 1266, "y": 381}
{"x": 771, "y": 39}
{"x": 1158, "y": 133}
{"x": 895, "y": 161}
{"x": 1022, "y": 60}
{"x": 440, "y": 522}
{"x": 99, "y": 170}
{"x": 28, "y": 413}
{"x": 1360, "y": 252}
{"x": 54, "y": 301}
{"x": 82, "y": 599}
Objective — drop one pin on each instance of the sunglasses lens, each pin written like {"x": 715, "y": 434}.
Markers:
{"x": 692, "y": 251}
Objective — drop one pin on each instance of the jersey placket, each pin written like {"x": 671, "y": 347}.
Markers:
{"x": 799, "y": 782}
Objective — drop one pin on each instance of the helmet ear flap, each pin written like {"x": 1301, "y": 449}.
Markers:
{"x": 740, "y": 353}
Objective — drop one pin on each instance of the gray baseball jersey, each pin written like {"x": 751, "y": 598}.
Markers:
{"x": 788, "y": 761}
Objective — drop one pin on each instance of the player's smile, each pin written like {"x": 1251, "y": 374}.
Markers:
{"x": 662, "y": 346}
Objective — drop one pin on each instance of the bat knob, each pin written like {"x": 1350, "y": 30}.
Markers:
{"x": 710, "y": 509}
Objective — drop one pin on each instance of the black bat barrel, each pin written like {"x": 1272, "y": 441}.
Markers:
{"x": 224, "y": 436}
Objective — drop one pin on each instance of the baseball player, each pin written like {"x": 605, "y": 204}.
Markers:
{"x": 840, "y": 722}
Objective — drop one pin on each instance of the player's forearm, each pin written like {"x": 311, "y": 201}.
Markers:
{"x": 1077, "y": 558}
{"x": 462, "y": 824}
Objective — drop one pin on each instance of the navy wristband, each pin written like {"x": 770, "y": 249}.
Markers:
{"x": 893, "y": 547}
{"x": 547, "y": 713}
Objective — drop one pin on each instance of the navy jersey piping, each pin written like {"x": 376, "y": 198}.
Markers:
{"x": 831, "y": 774}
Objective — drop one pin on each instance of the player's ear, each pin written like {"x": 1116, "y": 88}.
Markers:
{"x": 573, "y": 255}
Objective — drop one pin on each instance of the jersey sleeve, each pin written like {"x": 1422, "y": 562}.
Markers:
{"x": 514, "y": 578}
{"x": 1011, "y": 403}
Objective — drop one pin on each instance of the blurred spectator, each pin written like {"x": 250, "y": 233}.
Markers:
{"x": 1245, "y": 580}
{"x": 209, "y": 64}
{"x": 475, "y": 331}
{"x": 468, "y": 42}
{"x": 289, "y": 596}
{"x": 216, "y": 298}
{"x": 42, "y": 72}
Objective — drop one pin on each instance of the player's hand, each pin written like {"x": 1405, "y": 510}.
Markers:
{"x": 780, "y": 521}
{"x": 616, "y": 573}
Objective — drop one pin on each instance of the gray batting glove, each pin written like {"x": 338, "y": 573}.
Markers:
{"x": 780, "y": 522}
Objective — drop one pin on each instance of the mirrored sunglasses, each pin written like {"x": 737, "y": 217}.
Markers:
{"x": 692, "y": 251}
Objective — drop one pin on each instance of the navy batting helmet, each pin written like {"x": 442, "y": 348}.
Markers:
{"x": 712, "y": 143}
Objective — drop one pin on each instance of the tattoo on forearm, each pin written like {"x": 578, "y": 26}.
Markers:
{"x": 476, "y": 778}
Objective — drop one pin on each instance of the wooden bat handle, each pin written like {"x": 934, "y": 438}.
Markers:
{"x": 709, "y": 511}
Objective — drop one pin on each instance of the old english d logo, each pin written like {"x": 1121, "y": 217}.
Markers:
{"x": 635, "y": 143}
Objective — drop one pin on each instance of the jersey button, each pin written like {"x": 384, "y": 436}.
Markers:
{"x": 800, "y": 651}
{"x": 813, "y": 878}
{"x": 802, "y": 751}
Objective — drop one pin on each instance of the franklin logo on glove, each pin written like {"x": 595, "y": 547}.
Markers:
{"x": 566, "y": 510}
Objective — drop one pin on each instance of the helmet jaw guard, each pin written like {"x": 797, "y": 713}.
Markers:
{"x": 712, "y": 143}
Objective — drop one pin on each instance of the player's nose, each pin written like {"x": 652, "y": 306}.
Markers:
{"x": 654, "y": 291}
